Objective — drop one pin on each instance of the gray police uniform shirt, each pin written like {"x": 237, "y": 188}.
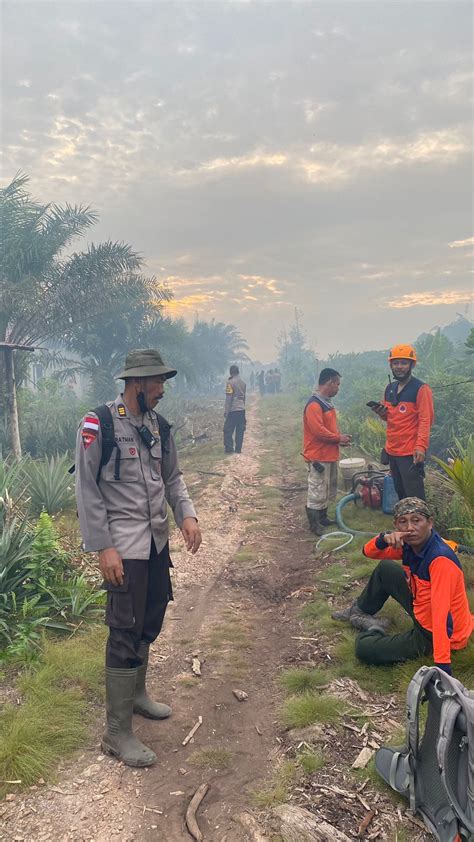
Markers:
{"x": 235, "y": 394}
{"x": 127, "y": 513}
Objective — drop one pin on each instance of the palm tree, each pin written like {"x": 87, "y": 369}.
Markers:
{"x": 216, "y": 345}
{"x": 103, "y": 342}
{"x": 47, "y": 295}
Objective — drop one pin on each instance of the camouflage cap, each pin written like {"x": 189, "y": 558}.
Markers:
{"x": 409, "y": 505}
{"x": 145, "y": 363}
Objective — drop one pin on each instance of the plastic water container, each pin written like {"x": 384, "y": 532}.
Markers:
{"x": 349, "y": 467}
{"x": 389, "y": 495}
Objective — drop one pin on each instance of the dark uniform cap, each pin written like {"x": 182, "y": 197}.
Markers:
{"x": 410, "y": 505}
{"x": 145, "y": 363}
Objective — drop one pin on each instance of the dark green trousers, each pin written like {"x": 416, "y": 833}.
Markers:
{"x": 375, "y": 647}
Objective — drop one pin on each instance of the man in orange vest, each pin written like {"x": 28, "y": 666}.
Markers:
{"x": 408, "y": 410}
{"x": 321, "y": 449}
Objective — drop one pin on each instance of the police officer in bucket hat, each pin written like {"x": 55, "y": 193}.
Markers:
{"x": 127, "y": 474}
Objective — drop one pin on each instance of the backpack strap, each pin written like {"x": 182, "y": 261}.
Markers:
{"x": 415, "y": 695}
{"x": 106, "y": 422}
{"x": 450, "y": 710}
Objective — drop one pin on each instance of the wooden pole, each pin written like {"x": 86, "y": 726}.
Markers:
{"x": 12, "y": 407}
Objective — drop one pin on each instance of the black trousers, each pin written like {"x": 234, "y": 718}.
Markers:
{"x": 408, "y": 478}
{"x": 136, "y": 609}
{"x": 375, "y": 647}
{"x": 234, "y": 423}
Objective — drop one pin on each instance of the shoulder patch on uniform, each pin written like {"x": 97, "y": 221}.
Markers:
{"x": 88, "y": 436}
{"x": 91, "y": 423}
{"x": 121, "y": 411}
{"x": 229, "y": 390}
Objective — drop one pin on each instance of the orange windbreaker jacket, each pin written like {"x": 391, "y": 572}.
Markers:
{"x": 409, "y": 419}
{"x": 436, "y": 582}
{"x": 320, "y": 432}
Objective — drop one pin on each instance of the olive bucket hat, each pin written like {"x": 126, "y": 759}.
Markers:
{"x": 145, "y": 363}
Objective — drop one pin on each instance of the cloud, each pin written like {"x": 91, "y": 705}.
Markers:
{"x": 430, "y": 299}
{"x": 193, "y": 303}
{"x": 238, "y": 162}
{"x": 214, "y": 294}
{"x": 459, "y": 244}
{"x": 269, "y": 284}
{"x": 334, "y": 163}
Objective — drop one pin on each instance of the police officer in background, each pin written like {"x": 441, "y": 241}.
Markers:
{"x": 234, "y": 411}
{"x": 122, "y": 508}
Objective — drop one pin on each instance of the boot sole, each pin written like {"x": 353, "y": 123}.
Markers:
{"x": 114, "y": 753}
{"x": 140, "y": 712}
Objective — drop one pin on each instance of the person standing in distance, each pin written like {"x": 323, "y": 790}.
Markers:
{"x": 408, "y": 410}
{"x": 322, "y": 440}
{"x": 234, "y": 411}
{"x": 122, "y": 505}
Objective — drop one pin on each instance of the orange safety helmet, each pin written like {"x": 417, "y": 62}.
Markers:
{"x": 402, "y": 352}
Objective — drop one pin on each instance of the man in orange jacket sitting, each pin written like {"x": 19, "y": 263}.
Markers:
{"x": 408, "y": 410}
{"x": 321, "y": 449}
{"x": 429, "y": 584}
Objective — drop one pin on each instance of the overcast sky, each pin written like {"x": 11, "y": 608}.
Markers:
{"x": 261, "y": 156}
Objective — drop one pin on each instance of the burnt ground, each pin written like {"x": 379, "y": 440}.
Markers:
{"x": 238, "y": 610}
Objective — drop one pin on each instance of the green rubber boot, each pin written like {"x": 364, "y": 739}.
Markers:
{"x": 143, "y": 704}
{"x": 119, "y": 738}
{"x": 315, "y": 525}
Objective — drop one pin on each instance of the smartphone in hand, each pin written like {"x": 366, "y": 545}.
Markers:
{"x": 375, "y": 405}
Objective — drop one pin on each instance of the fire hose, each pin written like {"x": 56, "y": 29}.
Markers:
{"x": 349, "y": 498}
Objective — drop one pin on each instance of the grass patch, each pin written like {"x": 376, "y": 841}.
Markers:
{"x": 251, "y": 517}
{"x": 375, "y": 679}
{"x": 244, "y": 554}
{"x": 372, "y": 521}
{"x": 53, "y": 720}
{"x": 32, "y": 740}
{"x": 78, "y": 662}
{"x": 302, "y": 680}
{"x": 269, "y": 493}
{"x": 211, "y": 758}
{"x": 363, "y": 569}
{"x": 279, "y": 789}
{"x": 308, "y": 708}
{"x": 267, "y": 465}
{"x": 336, "y": 577}
{"x": 317, "y": 616}
{"x": 462, "y": 666}
{"x": 234, "y": 634}
{"x": 310, "y": 761}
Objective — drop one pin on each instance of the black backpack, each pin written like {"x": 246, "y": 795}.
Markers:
{"x": 109, "y": 444}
